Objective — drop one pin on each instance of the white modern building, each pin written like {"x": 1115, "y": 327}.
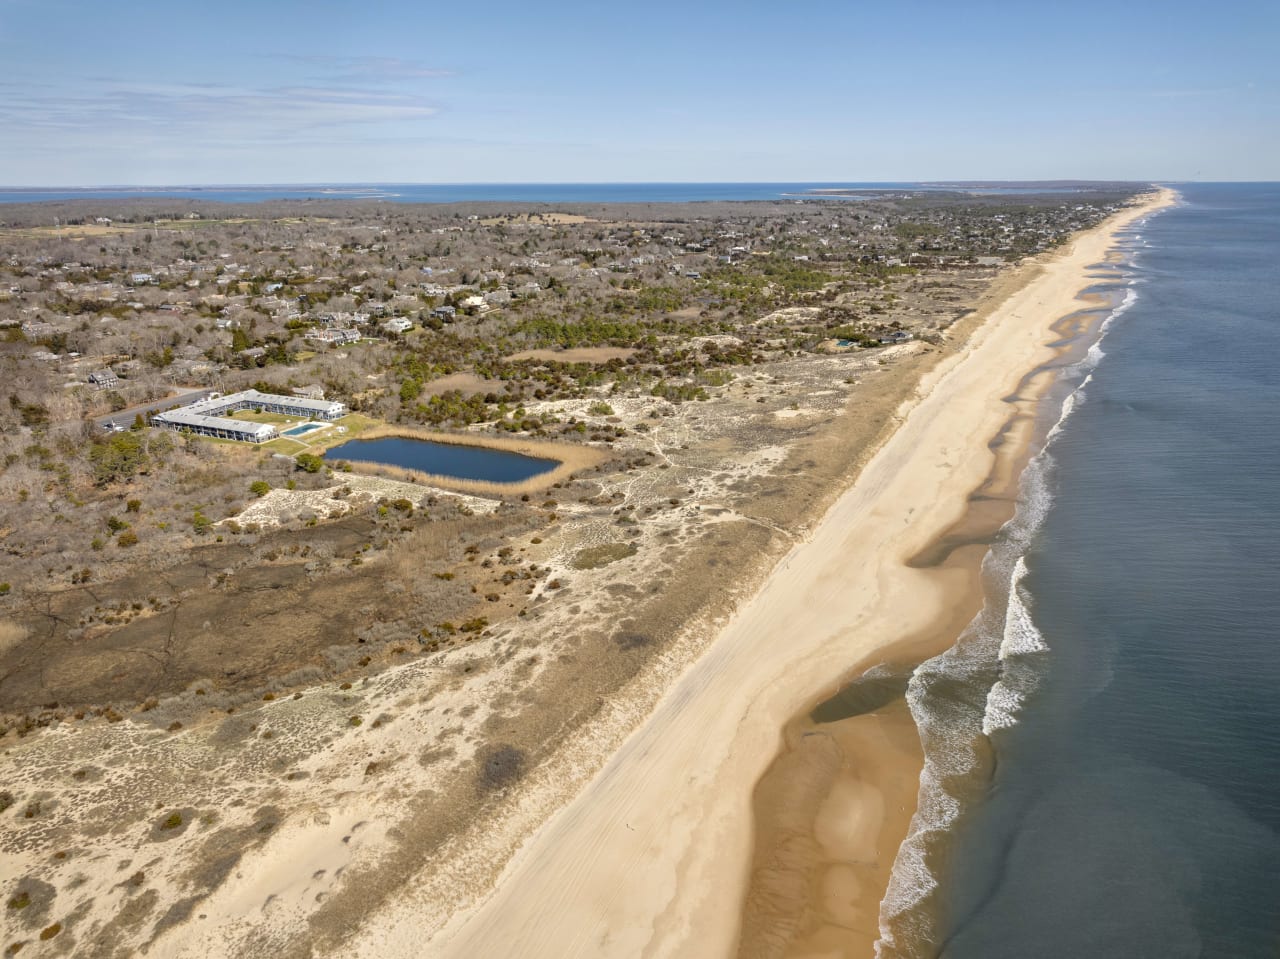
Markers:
{"x": 222, "y": 427}
{"x": 210, "y": 417}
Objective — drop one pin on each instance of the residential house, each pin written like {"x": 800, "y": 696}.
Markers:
{"x": 336, "y": 336}
{"x": 104, "y": 380}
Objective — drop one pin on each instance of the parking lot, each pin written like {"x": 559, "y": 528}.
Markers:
{"x": 123, "y": 419}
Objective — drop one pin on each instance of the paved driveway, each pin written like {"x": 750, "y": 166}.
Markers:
{"x": 124, "y": 418}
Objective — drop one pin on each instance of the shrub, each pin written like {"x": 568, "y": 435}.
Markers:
{"x": 309, "y": 462}
{"x": 501, "y": 766}
{"x": 117, "y": 458}
{"x": 127, "y": 538}
{"x": 260, "y": 488}
{"x": 133, "y": 506}
{"x": 172, "y": 821}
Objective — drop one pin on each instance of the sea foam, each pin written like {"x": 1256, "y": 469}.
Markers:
{"x": 1018, "y": 678}
{"x": 966, "y": 695}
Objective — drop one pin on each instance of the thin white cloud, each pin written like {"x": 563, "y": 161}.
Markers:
{"x": 208, "y": 110}
{"x": 372, "y": 68}
{"x": 1207, "y": 92}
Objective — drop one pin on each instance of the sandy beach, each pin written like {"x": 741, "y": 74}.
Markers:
{"x": 834, "y": 806}
{"x": 653, "y": 857}
{"x": 622, "y": 762}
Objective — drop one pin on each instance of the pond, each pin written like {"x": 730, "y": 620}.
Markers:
{"x": 444, "y": 459}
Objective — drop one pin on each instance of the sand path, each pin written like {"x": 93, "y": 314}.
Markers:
{"x": 651, "y": 858}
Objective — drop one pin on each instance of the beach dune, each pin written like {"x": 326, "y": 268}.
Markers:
{"x": 652, "y": 857}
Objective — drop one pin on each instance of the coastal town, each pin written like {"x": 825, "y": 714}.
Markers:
{"x": 188, "y": 554}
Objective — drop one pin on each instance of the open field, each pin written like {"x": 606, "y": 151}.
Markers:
{"x": 77, "y": 232}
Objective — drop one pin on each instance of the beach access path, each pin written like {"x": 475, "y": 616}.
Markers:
{"x": 652, "y": 857}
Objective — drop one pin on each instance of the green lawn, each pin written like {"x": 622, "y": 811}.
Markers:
{"x": 315, "y": 442}
{"x": 285, "y": 444}
{"x": 264, "y": 417}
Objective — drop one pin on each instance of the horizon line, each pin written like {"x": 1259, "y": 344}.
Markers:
{"x": 939, "y": 181}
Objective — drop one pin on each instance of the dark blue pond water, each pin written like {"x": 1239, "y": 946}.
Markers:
{"x": 444, "y": 459}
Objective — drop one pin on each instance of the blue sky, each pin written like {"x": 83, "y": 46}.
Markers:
{"x": 277, "y": 91}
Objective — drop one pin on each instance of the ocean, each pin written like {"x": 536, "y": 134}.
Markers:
{"x": 501, "y": 192}
{"x": 1103, "y": 743}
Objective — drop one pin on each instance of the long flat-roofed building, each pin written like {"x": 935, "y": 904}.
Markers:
{"x": 222, "y": 427}
{"x": 210, "y": 417}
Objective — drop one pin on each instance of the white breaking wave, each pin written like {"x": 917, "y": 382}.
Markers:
{"x": 1017, "y": 679}
{"x": 1020, "y": 633}
{"x": 1002, "y": 647}
{"x": 949, "y": 752}
{"x": 1130, "y": 297}
{"x": 1003, "y": 706}
{"x": 1095, "y": 352}
{"x": 1074, "y": 399}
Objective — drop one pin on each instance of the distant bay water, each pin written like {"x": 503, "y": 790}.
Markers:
{"x": 1104, "y": 743}
{"x": 502, "y": 192}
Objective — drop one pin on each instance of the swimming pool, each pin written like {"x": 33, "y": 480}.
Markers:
{"x": 301, "y": 429}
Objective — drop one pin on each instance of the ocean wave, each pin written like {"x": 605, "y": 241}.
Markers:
{"x": 1069, "y": 405}
{"x": 1003, "y": 706}
{"x": 957, "y": 699}
{"x": 1020, "y": 633}
{"x": 962, "y": 697}
{"x": 1095, "y": 352}
{"x": 1018, "y": 678}
{"x": 949, "y": 754}
{"x": 1035, "y": 499}
{"x": 1130, "y": 297}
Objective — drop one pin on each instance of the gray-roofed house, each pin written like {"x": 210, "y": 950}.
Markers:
{"x": 104, "y": 380}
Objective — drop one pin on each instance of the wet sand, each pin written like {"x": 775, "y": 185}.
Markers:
{"x": 857, "y": 750}
{"x": 654, "y": 856}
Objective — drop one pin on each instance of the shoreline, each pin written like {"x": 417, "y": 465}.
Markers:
{"x": 653, "y": 855}
{"x": 838, "y": 799}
